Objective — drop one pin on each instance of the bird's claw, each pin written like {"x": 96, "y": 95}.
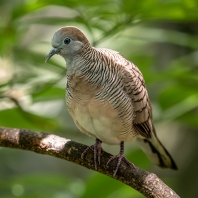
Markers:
{"x": 121, "y": 158}
{"x": 97, "y": 148}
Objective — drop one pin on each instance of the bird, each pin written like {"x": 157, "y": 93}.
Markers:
{"x": 107, "y": 98}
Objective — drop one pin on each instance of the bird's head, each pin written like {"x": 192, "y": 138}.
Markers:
{"x": 67, "y": 41}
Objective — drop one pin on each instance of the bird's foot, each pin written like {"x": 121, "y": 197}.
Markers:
{"x": 120, "y": 157}
{"x": 97, "y": 148}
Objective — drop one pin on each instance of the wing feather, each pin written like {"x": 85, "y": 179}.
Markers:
{"x": 135, "y": 88}
{"x": 140, "y": 100}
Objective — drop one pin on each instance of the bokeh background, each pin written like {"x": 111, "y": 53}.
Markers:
{"x": 160, "y": 37}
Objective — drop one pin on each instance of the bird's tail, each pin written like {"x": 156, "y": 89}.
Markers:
{"x": 156, "y": 152}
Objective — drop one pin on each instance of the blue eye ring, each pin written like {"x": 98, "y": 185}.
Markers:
{"x": 67, "y": 41}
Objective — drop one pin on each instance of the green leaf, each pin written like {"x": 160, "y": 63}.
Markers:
{"x": 47, "y": 94}
{"x": 17, "y": 118}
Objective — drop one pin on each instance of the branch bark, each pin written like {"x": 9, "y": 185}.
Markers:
{"x": 146, "y": 183}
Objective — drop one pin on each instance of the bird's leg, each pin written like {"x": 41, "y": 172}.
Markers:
{"x": 97, "y": 148}
{"x": 120, "y": 157}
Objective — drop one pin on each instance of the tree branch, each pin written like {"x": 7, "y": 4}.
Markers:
{"x": 146, "y": 183}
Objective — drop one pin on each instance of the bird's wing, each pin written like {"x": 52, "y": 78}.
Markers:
{"x": 135, "y": 88}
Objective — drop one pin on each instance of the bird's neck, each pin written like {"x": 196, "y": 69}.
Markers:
{"x": 80, "y": 61}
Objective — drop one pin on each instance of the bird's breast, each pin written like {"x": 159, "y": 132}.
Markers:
{"x": 94, "y": 116}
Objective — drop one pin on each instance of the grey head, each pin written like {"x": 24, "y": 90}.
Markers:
{"x": 67, "y": 42}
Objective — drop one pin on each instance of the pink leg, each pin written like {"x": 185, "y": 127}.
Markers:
{"x": 120, "y": 157}
{"x": 97, "y": 148}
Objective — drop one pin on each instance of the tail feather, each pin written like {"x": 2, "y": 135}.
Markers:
{"x": 156, "y": 152}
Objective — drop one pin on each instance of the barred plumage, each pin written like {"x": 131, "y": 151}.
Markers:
{"x": 106, "y": 96}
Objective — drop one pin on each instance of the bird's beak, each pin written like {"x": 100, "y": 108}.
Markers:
{"x": 51, "y": 53}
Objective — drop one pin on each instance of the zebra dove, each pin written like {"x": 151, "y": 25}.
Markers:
{"x": 107, "y": 98}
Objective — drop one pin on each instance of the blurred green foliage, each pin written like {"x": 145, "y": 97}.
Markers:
{"x": 158, "y": 36}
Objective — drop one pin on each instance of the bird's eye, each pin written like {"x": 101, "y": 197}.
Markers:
{"x": 67, "y": 41}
